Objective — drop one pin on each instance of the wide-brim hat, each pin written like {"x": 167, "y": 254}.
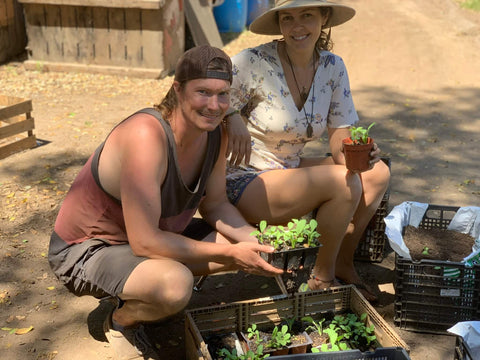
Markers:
{"x": 267, "y": 23}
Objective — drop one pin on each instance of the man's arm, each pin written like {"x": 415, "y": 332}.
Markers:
{"x": 143, "y": 157}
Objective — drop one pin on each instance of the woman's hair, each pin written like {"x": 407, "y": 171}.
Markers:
{"x": 170, "y": 101}
{"x": 324, "y": 42}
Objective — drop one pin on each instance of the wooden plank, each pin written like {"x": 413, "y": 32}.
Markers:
{"x": 202, "y": 23}
{"x": 152, "y": 39}
{"x": 52, "y": 34}
{"x": 23, "y": 144}
{"x": 84, "y": 33}
{"x": 16, "y": 128}
{"x": 67, "y": 30}
{"x": 117, "y": 36}
{"x": 36, "y": 26}
{"x": 100, "y": 36}
{"x": 139, "y": 4}
{"x": 133, "y": 38}
{"x": 4, "y": 15}
{"x": 14, "y": 109}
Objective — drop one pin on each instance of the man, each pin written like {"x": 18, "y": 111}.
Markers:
{"x": 119, "y": 230}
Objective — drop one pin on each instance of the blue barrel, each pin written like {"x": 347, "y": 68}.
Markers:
{"x": 231, "y": 16}
{"x": 256, "y": 8}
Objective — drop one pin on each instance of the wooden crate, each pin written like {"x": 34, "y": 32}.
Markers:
{"x": 142, "y": 38}
{"x": 13, "y": 38}
{"x": 16, "y": 125}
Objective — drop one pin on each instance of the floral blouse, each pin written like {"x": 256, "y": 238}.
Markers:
{"x": 277, "y": 127}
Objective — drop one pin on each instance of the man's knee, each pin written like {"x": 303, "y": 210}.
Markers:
{"x": 172, "y": 289}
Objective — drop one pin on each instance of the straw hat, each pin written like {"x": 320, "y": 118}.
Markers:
{"x": 267, "y": 23}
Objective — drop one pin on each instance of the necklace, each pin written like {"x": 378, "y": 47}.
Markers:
{"x": 304, "y": 94}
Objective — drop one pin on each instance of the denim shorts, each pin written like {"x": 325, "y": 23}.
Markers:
{"x": 237, "y": 181}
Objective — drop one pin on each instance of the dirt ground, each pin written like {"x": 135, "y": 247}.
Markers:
{"x": 414, "y": 70}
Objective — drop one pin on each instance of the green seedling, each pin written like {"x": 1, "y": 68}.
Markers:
{"x": 359, "y": 134}
{"x": 314, "y": 325}
{"x": 280, "y": 337}
{"x": 253, "y": 334}
{"x": 425, "y": 250}
{"x": 249, "y": 355}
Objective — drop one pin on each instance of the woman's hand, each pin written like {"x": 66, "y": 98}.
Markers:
{"x": 239, "y": 140}
{"x": 374, "y": 155}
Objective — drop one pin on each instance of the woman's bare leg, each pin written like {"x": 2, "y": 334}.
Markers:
{"x": 277, "y": 196}
{"x": 375, "y": 183}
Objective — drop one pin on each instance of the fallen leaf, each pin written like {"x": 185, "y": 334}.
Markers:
{"x": 23, "y": 331}
{"x": 51, "y": 288}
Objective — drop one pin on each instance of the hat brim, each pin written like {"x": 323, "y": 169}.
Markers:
{"x": 267, "y": 24}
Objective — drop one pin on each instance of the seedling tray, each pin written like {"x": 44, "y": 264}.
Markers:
{"x": 433, "y": 295}
{"x": 270, "y": 311}
{"x": 292, "y": 259}
{"x": 379, "y": 354}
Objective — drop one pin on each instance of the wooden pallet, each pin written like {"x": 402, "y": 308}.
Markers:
{"x": 16, "y": 125}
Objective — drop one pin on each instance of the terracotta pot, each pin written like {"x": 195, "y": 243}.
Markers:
{"x": 357, "y": 157}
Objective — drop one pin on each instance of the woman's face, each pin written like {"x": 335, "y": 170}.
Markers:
{"x": 301, "y": 27}
{"x": 204, "y": 102}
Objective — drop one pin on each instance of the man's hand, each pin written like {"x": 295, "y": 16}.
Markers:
{"x": 247, "y": 259}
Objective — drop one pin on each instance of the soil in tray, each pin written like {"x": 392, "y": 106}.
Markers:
{"x": 445, "y": 245}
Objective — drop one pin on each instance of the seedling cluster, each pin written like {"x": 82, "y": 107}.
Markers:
{"x": 344, "y": 332}
{"x": 359, "y": 134}
{"x": 297, "y": 233}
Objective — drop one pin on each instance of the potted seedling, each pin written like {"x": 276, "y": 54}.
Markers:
{"x": 357, "y": 148}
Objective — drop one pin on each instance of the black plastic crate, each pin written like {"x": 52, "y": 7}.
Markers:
{"x": 394, "y": 353}
{"x": 462, "y": 350}
{"x": 372, "y": 244}
{"x": 433, "y": 295}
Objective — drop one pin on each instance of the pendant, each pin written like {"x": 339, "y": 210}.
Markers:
{"x": 309, "y": 130}
{"x": 304, "y": 96}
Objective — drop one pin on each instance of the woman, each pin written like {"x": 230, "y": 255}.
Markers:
{"x": 289, "y": 92}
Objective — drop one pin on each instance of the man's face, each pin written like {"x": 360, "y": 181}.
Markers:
{"x": 204, "y": 102}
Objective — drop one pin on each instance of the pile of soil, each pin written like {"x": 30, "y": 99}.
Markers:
{"x": 444, "y": 245}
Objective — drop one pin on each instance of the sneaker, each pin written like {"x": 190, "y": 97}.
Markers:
{"x": 130, "y": 343}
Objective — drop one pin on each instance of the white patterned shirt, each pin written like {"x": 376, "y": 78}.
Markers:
{"x": 277, "y": 127}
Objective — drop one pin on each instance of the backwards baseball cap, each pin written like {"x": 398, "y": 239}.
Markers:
{"x": 198, "y": 63}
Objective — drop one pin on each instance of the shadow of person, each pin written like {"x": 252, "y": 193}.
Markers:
{"x": 97, "y": 317}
